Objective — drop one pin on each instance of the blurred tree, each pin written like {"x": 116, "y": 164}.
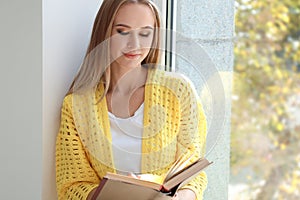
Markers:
{"x": 266, "y": 97}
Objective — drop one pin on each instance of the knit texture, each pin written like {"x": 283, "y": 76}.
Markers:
{"x": 174, "y": 124}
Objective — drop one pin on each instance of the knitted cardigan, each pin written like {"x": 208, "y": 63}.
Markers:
{"x": 174, "y": 124}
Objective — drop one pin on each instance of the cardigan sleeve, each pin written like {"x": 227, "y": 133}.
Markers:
{"x": 192, "y": 136}
{"x": 75, "y": 178}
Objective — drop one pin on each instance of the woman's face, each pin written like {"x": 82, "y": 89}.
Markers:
{"x": 132, "y": 35}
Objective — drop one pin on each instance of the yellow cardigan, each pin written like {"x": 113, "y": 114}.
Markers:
{"x": 174, "y": 123}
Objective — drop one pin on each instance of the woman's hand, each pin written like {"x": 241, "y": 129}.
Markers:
{"x": 185, "y": 194}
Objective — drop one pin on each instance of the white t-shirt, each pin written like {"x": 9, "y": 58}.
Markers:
{"x": 127, "y": 141}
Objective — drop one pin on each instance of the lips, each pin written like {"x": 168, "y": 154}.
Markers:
{"x": 132, "y": 55}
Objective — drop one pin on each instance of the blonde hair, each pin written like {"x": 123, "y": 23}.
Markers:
{"x": 95, "y": 66}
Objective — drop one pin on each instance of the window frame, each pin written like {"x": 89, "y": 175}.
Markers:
{"x": 168, "y": 25}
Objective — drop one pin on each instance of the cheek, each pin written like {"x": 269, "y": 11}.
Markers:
{"x": 146, "y": 42}
{"x": 116, "y": 45}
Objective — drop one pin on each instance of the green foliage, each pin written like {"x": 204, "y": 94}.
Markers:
{"x": 265, "y": 130}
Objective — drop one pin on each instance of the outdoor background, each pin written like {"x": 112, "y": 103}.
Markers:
{"x": 265, "y": 123}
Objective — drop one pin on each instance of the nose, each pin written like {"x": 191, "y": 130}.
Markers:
{"x": 133, "y": 42}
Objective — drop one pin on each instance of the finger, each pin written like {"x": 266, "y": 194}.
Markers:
{"x": 133, "y": 175}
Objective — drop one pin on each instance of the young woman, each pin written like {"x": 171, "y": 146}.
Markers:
{"x": 122, "y": 114}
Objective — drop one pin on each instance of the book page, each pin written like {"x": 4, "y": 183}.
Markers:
{"x": 186, "y": 174}
{"x": 152, "y": 178}
{"x": 136, "y": 181}
{"x": 178, "y": 165}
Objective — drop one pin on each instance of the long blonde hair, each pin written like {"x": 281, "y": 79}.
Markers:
{"x": 95, "y": 66}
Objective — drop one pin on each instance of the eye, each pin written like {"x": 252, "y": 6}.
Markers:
{"x": 122, "y": 32}
{"x": 145, "y": 33}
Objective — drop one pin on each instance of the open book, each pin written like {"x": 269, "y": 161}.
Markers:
{"x": 146, "y": 187}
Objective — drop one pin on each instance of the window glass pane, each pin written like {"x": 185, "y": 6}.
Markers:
{"x": 204, "y": 53}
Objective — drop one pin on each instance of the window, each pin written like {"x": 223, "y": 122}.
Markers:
{"x": 199, "y": 44}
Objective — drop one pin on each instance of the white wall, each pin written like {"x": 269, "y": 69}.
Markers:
{"x": 20, "y": 99}
{"x": 66, "y": 31}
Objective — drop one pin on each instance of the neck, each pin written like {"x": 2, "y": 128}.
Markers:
{"x": 126, "y": 80}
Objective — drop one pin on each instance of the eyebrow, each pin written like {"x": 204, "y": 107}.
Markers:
{"x": 127, "y": 26}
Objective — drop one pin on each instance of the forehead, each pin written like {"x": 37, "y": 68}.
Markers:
{"x": 135, "y": 15}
